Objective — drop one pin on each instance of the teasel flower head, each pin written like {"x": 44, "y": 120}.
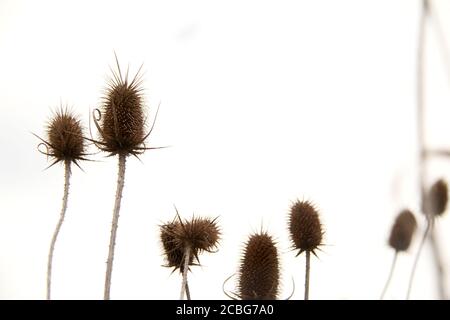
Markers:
{"x": 65, "y": 139}
{"x": 259, "y": 273}
{"x": 121, "y": 118}
{"x": 435, "y": 202}
{"x": 172, "y": 251}
{"x": 304, "y": 227}
{"x": 199, "y": 234}
{"x": 403, "y": 231}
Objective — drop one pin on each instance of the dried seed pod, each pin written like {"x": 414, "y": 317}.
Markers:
{"x": 65, "y": 140}
{"x": 305, "y": 227}
{"x": 402, "y": 231}
{"x": 259, "y": 271}
{"x": 173, "y": 253}
{"x": 199, "y": 234}
{"x": 122, "y": 126}
{"x": 436, "y": 199}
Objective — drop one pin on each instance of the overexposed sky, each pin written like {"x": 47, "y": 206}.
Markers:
{"x": 262, "y": 102}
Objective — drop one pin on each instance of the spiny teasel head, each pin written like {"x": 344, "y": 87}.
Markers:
{"x": 65, "y": 139}
{"x": 435, "y": 202}
{"x": 402, "y": 231}
{"x": 304, "y": 227}
{"x": 172, "y": 251}
{"x": 121, "y": 120}
{"x": 259, "y": 271}
{"x": 198, "y": 234}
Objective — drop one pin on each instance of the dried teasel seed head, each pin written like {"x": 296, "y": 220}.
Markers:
{"x": 199, "y": 234}
{"x": 402, "y": 231}
{"x": 260, "y": 269}
{"x": 304, "y": 227}
{"x": 122, "y": 127}
{"x": 172, "y": 251}
{"x": 65, "y": 139}
{"x": 435, "y": 202}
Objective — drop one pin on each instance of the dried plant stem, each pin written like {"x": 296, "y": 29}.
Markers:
{"x": 391, "y": 272}
{"x": 421, "y": 144}
{"x": 184, "y": 285}
{"x": 188, "y": 293}
{"x": 440, "y": 270}
{"x": 308, "y": 259}
{"x": 58, "y": 226}
{"x": 416, "y": 259}
{"x": 115, "y": 221}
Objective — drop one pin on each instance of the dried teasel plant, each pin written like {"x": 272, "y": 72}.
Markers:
{"x": 434, "y": 204}
{"x": 121, "y": 123}
{"x": 306, "y": 233}
{"x": 402, "y": 233}
{"x": 184, "y": 241}
{"x": 259, "y": 271}
{"x": 65, "y": 143}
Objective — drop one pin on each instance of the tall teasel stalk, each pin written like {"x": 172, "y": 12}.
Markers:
{"x": 121, "y": 125}
{"x": 428, "y": 13}
{"x": 65, "y": 143}
{"x": 184, "y": 241}
{"x": 434, "y": 204}
{"x": 400, "y": 239}
{"x": 306, "y": 233}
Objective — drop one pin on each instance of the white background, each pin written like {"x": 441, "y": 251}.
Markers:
{"x": 262, "y": 103}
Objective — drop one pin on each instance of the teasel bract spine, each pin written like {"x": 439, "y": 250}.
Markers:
{"x": 65, "y": 143}
{"x": 306, "y": 233}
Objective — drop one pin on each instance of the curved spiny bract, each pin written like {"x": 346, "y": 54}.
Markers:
{"x": 260, "y": 270}
{"x": 402, "y": 231}
{"x": 304, "y": 227}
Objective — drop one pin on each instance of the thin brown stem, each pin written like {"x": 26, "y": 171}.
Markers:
{"x": 187, "y": 253}
{"x": 420, "y": 100}
{"x": 308, "y": 258}
{"x": 115, "y": 222}
{"x": 58, "y": 226}
{"x": 391, "y": 272}
{"x": 440, "y": 270}
{"x": 416, "y": 259}
{"x": 188, "y": 293}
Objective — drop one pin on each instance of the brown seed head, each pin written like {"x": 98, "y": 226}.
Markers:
{"x": 199, "y": 234}
{"x": 65, "y": 140}
{"x": 259, "y": 271}
{"x": 402, "y": 231}
{"x": 173, "y": 253}
{"x": 122, "y": 127}
{"x": 305, "y": 227}
{"x": 436, "y": 199}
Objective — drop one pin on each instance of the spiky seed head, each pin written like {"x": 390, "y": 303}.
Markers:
{"x": 199, "y": 234}
{"x": 65, "y": 140}
{"x": 259, "y": 270}
{"x": 172, "y": 251}
{"x": 304, "y": 227}
{"x": 403, "y": 230}
{"x": 435, "y": 202}
{"x": 122, "y": 129}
